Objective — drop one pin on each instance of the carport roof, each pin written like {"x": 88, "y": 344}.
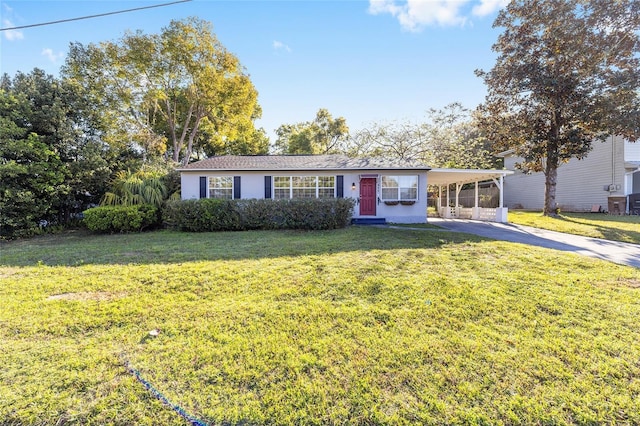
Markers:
{"x": 448, "y": 176}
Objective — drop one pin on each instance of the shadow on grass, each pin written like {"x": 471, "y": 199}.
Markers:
{"x": 609, "y": 232}
{"x": 163, "y": 247}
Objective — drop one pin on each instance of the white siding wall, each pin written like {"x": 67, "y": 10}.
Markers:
{"x": 416, "y": 213}
{"x": 189, "y": 186}
{"x": 631, "y": 151}
{"x": 252, "y": 186}
{"x": 580, "y": 182}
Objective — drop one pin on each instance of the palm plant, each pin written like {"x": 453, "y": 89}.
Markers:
{"x": 145, "y": 186}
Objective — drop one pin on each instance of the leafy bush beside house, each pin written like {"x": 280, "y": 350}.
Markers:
{"x": 134, "y": 201}
{"x": 121, "y": 219}
{"x": 206, "y": 215}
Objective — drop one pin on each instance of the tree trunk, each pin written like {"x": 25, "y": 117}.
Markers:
{"x": 192, "y": 136}
{"x": 551, "y": 179}
{"x": 551, "y": 168}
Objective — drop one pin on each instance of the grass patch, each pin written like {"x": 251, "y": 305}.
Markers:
{"x": 416, "y": 225}
{"x": 595, "y": 225}
{"x": 354, "y": 326}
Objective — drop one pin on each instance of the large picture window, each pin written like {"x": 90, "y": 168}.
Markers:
{"x": 400, "y": 187}
{"x": 221, "y": 187}
{"x": 303, "y": 187}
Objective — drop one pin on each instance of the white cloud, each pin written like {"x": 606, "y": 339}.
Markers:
{"x": 487, "y": 7}
{"x": 278, "y": 45}
{"x": 11, "y": 35}
{"x": 414, "y": 15}
{"x": 53, "y": 57}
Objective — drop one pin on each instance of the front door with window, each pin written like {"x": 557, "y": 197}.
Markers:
{"x": 368, "y": 197}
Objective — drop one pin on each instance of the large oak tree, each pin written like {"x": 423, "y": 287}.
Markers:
{"x": 169, "y": 91}
{"x": 567, "y": 74}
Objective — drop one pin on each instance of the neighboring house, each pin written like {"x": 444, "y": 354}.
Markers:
{"x": 607, "y": 178}
{"x": 384, "y": 190}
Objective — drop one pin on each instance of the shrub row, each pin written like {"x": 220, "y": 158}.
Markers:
{"x": 234, "y": 215}
{"x": 115, "y": 219}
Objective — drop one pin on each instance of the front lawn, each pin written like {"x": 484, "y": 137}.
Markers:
{"x": 596, "y": 225}
{"x": 354, "y": 326}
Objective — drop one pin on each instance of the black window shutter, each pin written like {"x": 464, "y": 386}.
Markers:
{"x": 203, "y": 187}
{"x": 340, "y": 186}
{"x": 267, "y": 187}
{"x": 236, "y": 187}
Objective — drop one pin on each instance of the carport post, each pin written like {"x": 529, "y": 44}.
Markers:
{"x": 500, "y": 185}
{"x": 448, "y": 202}
{"x": 501, "y": 212}
{"x": 475, "y": 212}
{"x": 458, "y": 189}
{"x": 476, "y": 204}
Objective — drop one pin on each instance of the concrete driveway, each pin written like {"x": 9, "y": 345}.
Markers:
{"x": 613, "y": 251}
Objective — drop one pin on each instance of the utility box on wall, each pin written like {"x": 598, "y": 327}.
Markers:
{"x": 617, "y": 205}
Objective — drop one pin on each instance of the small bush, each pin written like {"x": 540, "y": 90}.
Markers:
{"x": 119, "y": 219}
{"x": 207, "y": 215}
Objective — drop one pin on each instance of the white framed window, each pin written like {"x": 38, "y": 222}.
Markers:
{"x": 221, "y": 187}
{"x": 326, "y": 186}
{"x": 281, "y": 187}
{"x": 285, "y": 187}
{"x": 400, "y": 187}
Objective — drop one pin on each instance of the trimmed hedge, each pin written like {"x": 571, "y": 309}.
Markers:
{"x": 121, "y": 219}
{"x": 208, "y": 214}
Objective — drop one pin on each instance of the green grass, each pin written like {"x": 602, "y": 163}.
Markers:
{"x": 355, "y": 326}
{"x": 415, "y": 225}
{"x": 596, "y": 225}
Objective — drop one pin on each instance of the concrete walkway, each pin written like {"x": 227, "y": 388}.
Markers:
{"x": 613, "y": 251}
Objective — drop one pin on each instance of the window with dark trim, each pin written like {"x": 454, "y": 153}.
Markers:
{"x": 221, "y": 187}
{"x": 285, "y": 187}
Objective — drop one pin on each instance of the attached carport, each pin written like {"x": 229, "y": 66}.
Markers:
{"x": 447, "y": 208}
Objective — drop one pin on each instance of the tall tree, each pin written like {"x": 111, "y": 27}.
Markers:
{"x": 455, "y": 141}
{"x": 323, "y": 135}
{"x": 567, "y": 74}
{"x": 30, "y": 171}
{"x": 165, "y": 90}
{"x": 66, "y": 123}
{"x": 449, "y": 137}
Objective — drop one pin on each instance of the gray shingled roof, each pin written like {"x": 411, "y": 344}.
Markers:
{"x": 301, "y": 162}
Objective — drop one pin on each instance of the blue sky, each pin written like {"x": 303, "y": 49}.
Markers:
{"x": 377, "y": 61}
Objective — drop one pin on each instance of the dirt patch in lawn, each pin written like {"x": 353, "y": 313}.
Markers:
{"x": 7, "y": 272}
{"x": 101, "y": 296}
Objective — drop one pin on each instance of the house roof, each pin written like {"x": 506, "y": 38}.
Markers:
{"x": 239, "y": 163}
{"x": 300, "y": 162}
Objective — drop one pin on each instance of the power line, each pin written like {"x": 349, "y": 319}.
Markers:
{"x": 92, "y": 16}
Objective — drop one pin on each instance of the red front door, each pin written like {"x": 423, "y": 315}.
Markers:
{"x": 368, "y": 197}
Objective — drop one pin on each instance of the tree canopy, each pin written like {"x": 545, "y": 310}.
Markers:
{"x": 51, "y": 154}
{"x": 30, "y": 171}
{"x": 172, "y": 93}
{"x": 323, "y": 135}
{"x": 447, "y": 138}
{"x": 567, "y": 74}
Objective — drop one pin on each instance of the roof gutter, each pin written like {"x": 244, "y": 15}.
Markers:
{"x": 311, "y": 169}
